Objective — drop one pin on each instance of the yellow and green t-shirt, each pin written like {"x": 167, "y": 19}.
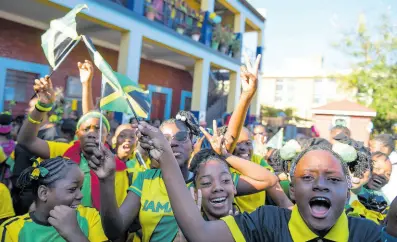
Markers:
{"x": 251, "y": 202}
{"x": 133, "y": 166}
{"x": 155, "y": 215}
{"x": 24, "y": 228}
{"x": 270, "y": 223}
{"x": 6, "y": 208}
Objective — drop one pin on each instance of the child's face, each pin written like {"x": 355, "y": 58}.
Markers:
{"x": 244, "y": 148}
{"x": 321, "y": 189}
{"x": 375, "y": 146}
{"x": 382, "y": 168}
{"x": 357, "y": 182}
{"x": 126, "y": 143}
{"x": 217, "y": 189}
{"x": 180, "y": 142}
{"x": 66, "y": 191}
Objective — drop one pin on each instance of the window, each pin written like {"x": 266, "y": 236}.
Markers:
{"x": 19, "y": 85}
{"x": 73, "y": 87}
{"x": 318, "y": 96}
{"x": 279, "y": 91}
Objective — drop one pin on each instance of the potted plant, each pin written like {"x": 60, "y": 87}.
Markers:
{"x": 196, "y": 33}
{"x": 150, "y": 12}
{"x": 226, "y": 40}
{"x": 180, "y": 28}
{"x": 216, "y": 37}
{"x": 236, "y": 48}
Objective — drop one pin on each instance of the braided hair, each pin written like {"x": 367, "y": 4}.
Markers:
{"x": 188, "y": 120}
{"x": 363, "y": 161}
{"x": 202, "y": 157}
{"x": 325, "y": 148}
{"x": 57, "y": 168}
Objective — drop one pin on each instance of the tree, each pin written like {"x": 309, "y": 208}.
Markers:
{"x": 374, "y": 69}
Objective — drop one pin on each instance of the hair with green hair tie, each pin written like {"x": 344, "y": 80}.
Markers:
{"x": 347, "y": 152}
{"x": 94, "y": 114}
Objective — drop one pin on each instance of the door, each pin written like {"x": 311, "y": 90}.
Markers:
{"x": 158, "y": 105}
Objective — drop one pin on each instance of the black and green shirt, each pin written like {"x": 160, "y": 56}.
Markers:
{"x": 270, "y": 223}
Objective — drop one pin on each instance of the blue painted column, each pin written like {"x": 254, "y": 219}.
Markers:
{"x": 207, "y": 6}
{"x": 137, "y": 6}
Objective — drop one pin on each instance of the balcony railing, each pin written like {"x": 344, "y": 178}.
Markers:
{"x": 176, "y": 15}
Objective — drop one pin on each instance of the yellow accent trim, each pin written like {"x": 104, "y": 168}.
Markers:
{"x": 234, "y": 229}
{"x": 110, "y": 98}
{"x": 33, "y": 121}
{"x": 301, "y": 232}
{"x": 42, "y": 109}
{"x": 136, "y": 189}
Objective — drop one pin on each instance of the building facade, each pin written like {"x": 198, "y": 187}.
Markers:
{"x": 149, "y": 48}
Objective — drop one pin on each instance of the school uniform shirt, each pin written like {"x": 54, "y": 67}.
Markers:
{"x": 72, "y": 151}
{"x": 155, "y": 215}
{"x": 251, "y": 202}
{"x": 6, "y": 208}
{"x": 25, "y": 228}
{"x": 270, "y": 223}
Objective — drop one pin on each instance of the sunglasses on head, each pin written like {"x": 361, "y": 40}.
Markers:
{"x": 180, "y": 136}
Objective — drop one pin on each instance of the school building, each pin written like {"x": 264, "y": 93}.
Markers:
{"x": 174, "y": 48}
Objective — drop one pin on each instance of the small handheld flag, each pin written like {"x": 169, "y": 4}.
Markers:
{"x": 60, "y": 39}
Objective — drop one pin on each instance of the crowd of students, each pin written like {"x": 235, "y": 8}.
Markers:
{"x": 177, "y": 181}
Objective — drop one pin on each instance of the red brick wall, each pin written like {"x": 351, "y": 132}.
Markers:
{"x": 24, "y": 43}
{"x": 358, "y": 126}
{"x": 161, "y": 75}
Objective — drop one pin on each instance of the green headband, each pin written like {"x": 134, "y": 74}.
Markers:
{"x": 94, "y": 114}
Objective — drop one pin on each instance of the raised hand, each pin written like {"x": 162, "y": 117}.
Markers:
{"x": 198, "y": 144}
{"x": 102, "y": 162}
{"x": 153, "y": 140}
{"x": 44, "y": 90}
{"x": 86, "y": 71}
{"x": 249, "y": 75}
{"x": 64, "y": 220}
{"x": 217, "y": 141}
{"x": 179, "y": 236}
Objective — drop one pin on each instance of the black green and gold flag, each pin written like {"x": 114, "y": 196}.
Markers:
{"x": 60, "y": 39}
{"x": 119, "y": 93}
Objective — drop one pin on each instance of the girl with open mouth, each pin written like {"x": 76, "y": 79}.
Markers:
{"x": 59, "y": 215}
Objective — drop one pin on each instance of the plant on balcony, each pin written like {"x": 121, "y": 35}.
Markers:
{"x": 181, "y": 28}
{"x": 196, "y": 33}
{"x": 150, "y": 12}
{"x": 236, "y": 48}
{"x": 216, "y": 36}
{"x": 226, "y": 39}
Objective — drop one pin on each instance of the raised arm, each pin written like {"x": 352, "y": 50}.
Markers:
{"x": 254, "y": 178}
{"x": 27, "y": 136}
{"x": 115, "y": 221}
{"x": 189, "y": 219}
{"x": 249, "y": 85}
{"x": 86, "y": 74}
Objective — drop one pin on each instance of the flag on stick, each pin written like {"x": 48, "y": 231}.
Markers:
{"x": 60, "y": 39}
{"x": 119, "y": 93}
{"x": 276, "y": 142}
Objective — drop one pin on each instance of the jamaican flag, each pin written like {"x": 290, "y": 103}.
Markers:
{"x": 59, "y": 40}
{"x": 119, "y": 93}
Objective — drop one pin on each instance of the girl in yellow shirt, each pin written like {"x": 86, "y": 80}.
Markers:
{"x": 58, "y": 215}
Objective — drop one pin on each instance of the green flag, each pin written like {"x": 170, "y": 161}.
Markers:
{"x": 60, "y": 39}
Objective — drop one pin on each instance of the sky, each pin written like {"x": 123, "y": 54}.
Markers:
{"x": 307, "y": 28}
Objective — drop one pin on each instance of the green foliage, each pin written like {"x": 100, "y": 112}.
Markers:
{"x": 374, "y": 72}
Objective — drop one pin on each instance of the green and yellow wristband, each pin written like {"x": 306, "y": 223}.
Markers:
{"x": 42, "y": 107}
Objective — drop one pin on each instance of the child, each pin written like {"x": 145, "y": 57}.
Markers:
{"x": 321, "y": 186}
{"x": 58, "y": 215}
{"x": 87, "y": 132}
{"x": 381, "y": 173}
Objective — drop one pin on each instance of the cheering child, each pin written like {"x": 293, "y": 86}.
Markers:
{"x": 58, "y": 216}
